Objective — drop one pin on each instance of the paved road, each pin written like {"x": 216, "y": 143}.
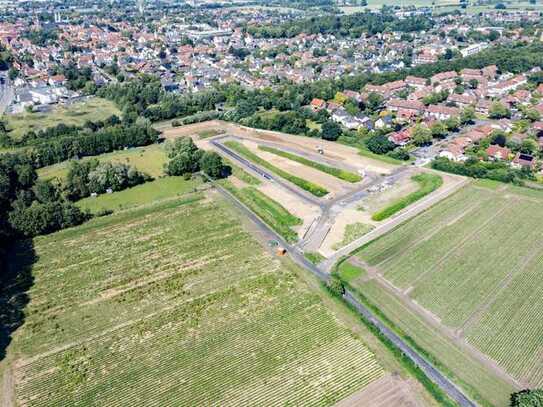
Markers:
{"x": 297, "y": 256}
{"x": 266, "y": 175}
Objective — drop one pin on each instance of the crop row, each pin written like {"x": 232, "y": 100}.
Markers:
{"x": 473, "y": 271}
{"x": 410, "y": 265}
{"x": 402, "y": 237}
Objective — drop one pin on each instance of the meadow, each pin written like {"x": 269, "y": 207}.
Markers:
{"x": 75, "y": 114}
{"x": 138, "y": 309}
{"x": 149, "y": 159}
{"x": 473, "y": 262}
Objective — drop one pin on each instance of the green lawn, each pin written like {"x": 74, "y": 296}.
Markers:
{"x": 149, "y": 159}
{"x": 76, "y": 114}
{"x": 474, "y": 261}
{"x": 300, "y": 182}
{"x": 349, "y": 272}
{"x": 314, "y": 257}
{"x": 157, "y": 190}
{"x": 335, "y": 172}
{"x": 428, "y": 183}
{"x": 176, "y": 304}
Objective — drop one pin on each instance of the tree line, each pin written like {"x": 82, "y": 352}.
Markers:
{"x": 343, "y": 25}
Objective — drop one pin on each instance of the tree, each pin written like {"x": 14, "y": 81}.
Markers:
{"x": 330, "y": 131}
{"x": 527, "y": 398}
{"x": 532, "y": 115}
{"x": 473, "y": 83}
{"x": 374, "y": 102}
{"x": 529, "y": 146}
{"x": 181, "y": 145}
{"x": 212, "y": 165}
{"x": 467, "y": 115}
{"x": 182, "y": 164}
{"x": 421, "y": 136}
{"x": 438, "y": 130}
{"x": 379, "y": 144}
{"x": 498, "y": 137}
{"x": 336, "y": 286}
{"x": 498, "y": 111}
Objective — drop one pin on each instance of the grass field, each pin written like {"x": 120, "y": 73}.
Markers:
{"x": 474, "y": 262}
{"x": 157, "y": 190}
{"x": 428, "y": 183}
{"x": 268, "y": 210}
{"x": 310, "y": 187}
{"x": 149, "y": 159}
{"x": 352, "y": 232}
{"x": 76, "y": 115}
{"x": 336, "y": 172}
{"x": 176, "y": 304}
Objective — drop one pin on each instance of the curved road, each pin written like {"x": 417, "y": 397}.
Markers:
{"x": 429, "y": 370}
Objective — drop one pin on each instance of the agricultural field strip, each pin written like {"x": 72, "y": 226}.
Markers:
{"x": 51, "y": 370}
{"x": 387, "y": 247}
{"x": 533, "y": 371}
{"x": 453, "y": 282}
{"x": 509, "y": 330}
{"x": 432, "y": 232}
{"x": 457, "y": 231}
{"x": 473, "y": 319}
{"x": 458, "y": 360}
{"x": 91, "y": 292}
{"x": 144, "y": 352}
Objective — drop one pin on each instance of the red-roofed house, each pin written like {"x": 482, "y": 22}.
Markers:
{"x": 497, "y": 152}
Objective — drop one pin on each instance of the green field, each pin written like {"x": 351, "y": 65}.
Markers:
{"x": 352, "y": 232}
{"x": 176, "y": 304}
{"x": 474, "y": 261}
{"x": 268, "y": 210}
{"x": 72, "y": 115}
{"x": 149, "y": 159}
{"x": 335, "y": 172}
{"x": 310, "y": 187}
{"x": 157, "y": 190}
{"x": 428, "y": 183}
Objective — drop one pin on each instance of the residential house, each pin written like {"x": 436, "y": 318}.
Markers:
{"x": 498, "y": 153}
{"x": 317, "y": 104}
{"x": 524, "y": 161}
{"x": 441, "y": 112}
{"x": 462, "y": 100}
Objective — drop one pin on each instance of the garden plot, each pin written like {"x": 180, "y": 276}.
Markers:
{"x": 138, "y": 309}
{"x": 474, "y": 263}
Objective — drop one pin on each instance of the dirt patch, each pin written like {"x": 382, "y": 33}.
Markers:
{"x": 8, "y": 394}
{"x": 390, "y": 390}
{"x": 337, "y": 231}
{"x": 379, "y": 200}
{"x": 332, "y": 184}
{"x": 306, "y": 212}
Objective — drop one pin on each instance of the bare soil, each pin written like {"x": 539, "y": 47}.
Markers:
{"x": 303, "y": 210}
{"x": 390, "y": 390}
